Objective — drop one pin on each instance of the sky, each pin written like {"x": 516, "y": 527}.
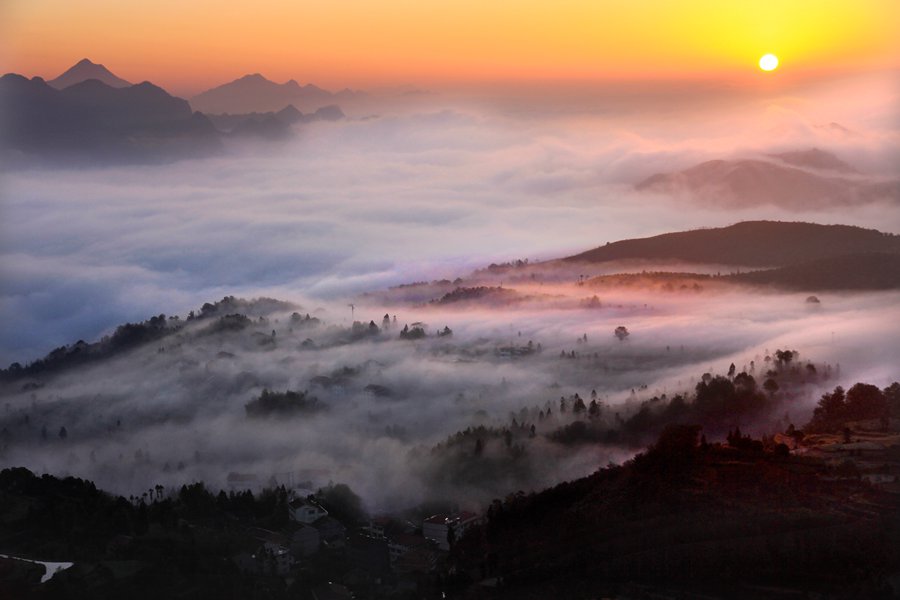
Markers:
{"x": 190, "y": 46}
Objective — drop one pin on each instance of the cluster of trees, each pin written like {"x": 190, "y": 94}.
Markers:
{"x": 461, "y": 294}
{"x": 481, "y": 456}
{"x": 283, "y": 404}
{"x": 303, "y": 321}
{"x": 125, "y": 337}
{"x": 861, "y": 402}
{"x": 416, "y": 332}
{"x": 231, "y": 305}
{"x": 360, "y": 330}
{"x": 342, "y": 503}
{"x": 718, "y": 403}
{"x": 496, "y": 268}
{"x": 231, "y": 322}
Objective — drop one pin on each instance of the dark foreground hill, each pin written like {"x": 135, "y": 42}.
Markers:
{"x": 690, "y": 520}
{"x": 92, "y": 121}
{"x": 685, "y": 519}
{"x": 749, "y": 243}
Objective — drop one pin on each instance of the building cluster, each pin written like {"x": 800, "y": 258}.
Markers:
{"x": 386, "y": 551}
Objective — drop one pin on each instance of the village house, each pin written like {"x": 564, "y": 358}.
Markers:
{"x": 305, "y": 541}
{"x": 304, "y": 510}
{"x": 274, "y": 554}
{"x": 331, "y": 531}
{"x": 402, "y": 543}
{"x": 437, "y": 527}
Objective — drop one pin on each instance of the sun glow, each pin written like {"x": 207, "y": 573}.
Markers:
{"x": 768, "y": 62}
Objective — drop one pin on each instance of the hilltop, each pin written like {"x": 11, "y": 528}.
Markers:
{"x": 749, "y": 243}
{"x": 84, "y": 70}
{"x": 690, "y": 519}
{"x": 795, "y": 180}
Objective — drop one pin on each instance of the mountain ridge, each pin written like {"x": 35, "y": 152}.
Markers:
{"x": 795, "y": 180}
{"x": 91, "y": 120}
{"x": 86, "y": 69}
{"x": 748, "y": 243}
{"x": 255, "y": 93}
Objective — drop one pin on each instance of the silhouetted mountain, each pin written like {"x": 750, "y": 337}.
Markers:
{"x": 289, "y": 114}
{"x": 332, "y": 112}
{"x": 815, "y": 158}
{"x": 255, "y": 93}
{"x": 870, "y": 271}
{"x": 750, "y": 243}
{"x": 750, "y": 182}
{"x": 93, "y": 121}
{"x": 268, "y": 127}
{"x": 84, "y": 70}
{"x": 272, "y": 125}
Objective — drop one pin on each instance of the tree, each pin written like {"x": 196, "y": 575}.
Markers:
{"x": 342, "y": 503}
{"x": 892, "y": 395}
{"x": 784, "y": 357}
{"x": 63, "y": 434}
{"x": 451, "y": 535}
{"x": 621, "y": 332}
{"x": 578, "y": 407}
{"x": 865, "y": 401}
{"x": 771, "y": 386}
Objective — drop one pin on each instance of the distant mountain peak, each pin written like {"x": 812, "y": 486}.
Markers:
{"x": 254, "y": 93}
{"x": 815, "y": 158}
{"x": 84, "y": 70}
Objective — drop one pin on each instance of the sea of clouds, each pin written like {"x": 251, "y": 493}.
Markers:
{"x": 429, "y": 191}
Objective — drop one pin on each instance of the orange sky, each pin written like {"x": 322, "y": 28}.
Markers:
{"x": 188, "y": 46}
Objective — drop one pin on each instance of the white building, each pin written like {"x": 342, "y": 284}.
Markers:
{"x": 437, "y": 527}
{"x": 306, "y": 511}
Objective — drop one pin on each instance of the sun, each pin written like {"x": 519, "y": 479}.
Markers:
{"x": 768, "y": 62}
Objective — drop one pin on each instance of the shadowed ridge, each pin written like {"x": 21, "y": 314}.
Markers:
{"x": 749, "y": 243}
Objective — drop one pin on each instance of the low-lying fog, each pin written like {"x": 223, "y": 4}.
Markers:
{"x": 174, "y": 411}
